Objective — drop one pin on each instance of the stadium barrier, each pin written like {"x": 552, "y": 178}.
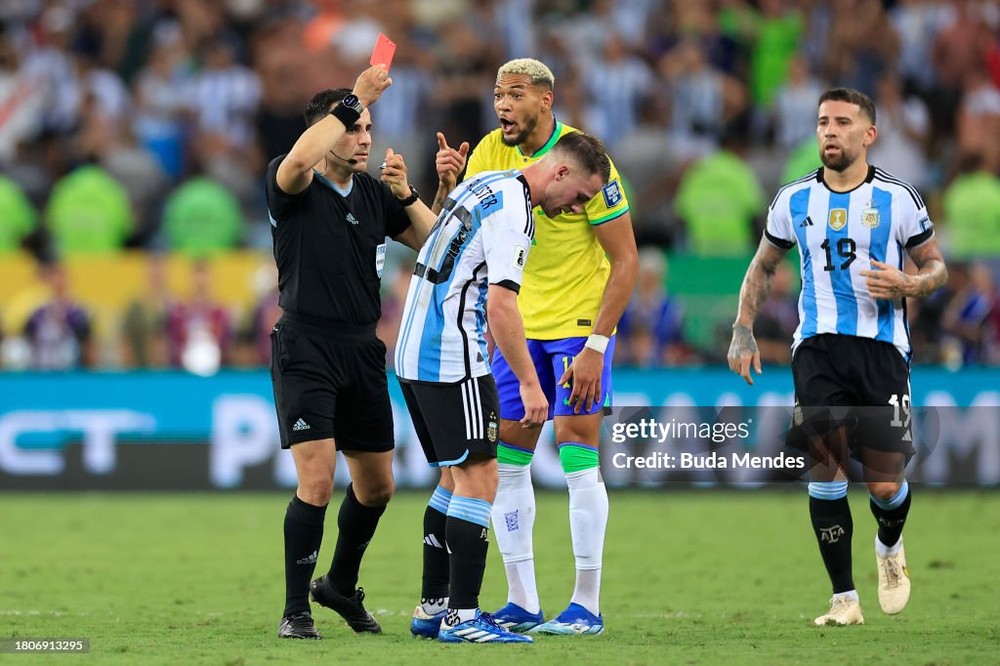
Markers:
{"x": 174, "y": 431}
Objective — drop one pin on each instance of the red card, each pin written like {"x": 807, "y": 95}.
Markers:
{"x": 385, "y": 48}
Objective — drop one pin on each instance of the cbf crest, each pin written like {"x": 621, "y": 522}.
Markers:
{"x": 492, "y": 428}
{"x": 869, "y": 217}
{"x": 838, "y": 218}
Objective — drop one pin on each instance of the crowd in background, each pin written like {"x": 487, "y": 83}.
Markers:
{"x": 128, "y": 124}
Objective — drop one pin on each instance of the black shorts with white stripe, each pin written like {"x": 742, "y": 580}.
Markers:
{"x": 454, "y": 421}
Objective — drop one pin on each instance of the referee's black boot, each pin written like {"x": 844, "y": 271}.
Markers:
{"x": 350, "y": 608}
{"x": 298, "y": 625}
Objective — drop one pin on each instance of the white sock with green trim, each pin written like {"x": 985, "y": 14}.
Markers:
{"x": 513, "y": 522}
{"x": 588, "y": 521}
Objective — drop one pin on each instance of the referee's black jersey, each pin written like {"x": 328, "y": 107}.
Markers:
{"x": 330, "y": 248}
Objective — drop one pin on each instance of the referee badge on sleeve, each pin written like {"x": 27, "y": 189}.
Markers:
{"x": 380, "y": 259}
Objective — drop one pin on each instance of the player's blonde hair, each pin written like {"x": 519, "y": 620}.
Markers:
{"x": 537, "y": 70}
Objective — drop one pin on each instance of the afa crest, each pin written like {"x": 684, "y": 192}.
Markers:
{"x": 838, "y": 218}
{"x": 869, "y": 217}
{"x": 492, "y": 429}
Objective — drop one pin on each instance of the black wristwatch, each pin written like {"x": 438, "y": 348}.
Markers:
{"x": 348, "y": 110}
{"x": 351, "y": 101}
{"x": 410, "y": 200}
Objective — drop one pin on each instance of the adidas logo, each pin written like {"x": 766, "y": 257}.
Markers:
{"x": 353, "y": 220}
{"x": 431, "y": 540}
{"x": 309, "y": 560}
{"x": 806, "y": 222}
{"x": 301, "y": 425}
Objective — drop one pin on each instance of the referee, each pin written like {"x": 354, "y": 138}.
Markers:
{"x": 329, "y": 221}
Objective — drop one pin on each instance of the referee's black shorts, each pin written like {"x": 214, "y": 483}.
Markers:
{"x": 860, "y": 383}
{"x": 453, "y": 421}
{"x": 330, "y": 382}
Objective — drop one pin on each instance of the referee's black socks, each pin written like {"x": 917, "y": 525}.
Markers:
{"x": 356, "y": 525}
{"x": 303, "y": 535}
{"x": 834, "y": 527}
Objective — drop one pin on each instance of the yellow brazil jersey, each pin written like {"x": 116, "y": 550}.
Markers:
{"x": 567, "y": 269}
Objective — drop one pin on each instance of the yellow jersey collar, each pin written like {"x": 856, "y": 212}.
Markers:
{"x": 556, "y": 133}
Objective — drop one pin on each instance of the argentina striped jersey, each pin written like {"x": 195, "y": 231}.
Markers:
{"x": 839, "y": 234}
{"x": 481, "y": 237}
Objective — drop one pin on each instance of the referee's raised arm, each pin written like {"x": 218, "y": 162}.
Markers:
{"x": 295, "y": 172}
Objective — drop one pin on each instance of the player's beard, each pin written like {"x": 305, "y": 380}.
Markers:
{"x": 839, "y": 162}
{"x": 522, "y": 136}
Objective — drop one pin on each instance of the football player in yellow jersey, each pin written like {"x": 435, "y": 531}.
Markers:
{"x": 577, "y": 281}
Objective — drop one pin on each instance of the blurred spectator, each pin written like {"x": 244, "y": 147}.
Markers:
{"x": 918, "y": 24}
{"x": 862, "y": 45}
{"x": 795, "y": 106}
{"x": 224, "y": 98}
{"x": 718, "y": 199}
{"x": 21, "y": 100}
{"x": 977, "y": 124}
{"x": 777, "y": 33}
{"x": 199, "y": 332}
{"x": 159, "y": 108}
{"x": 778, "y": 318}
{"x": 703, "y": 99}
{"x": 903, "y": 131}
{"x": 102, "y": 140}
{"x": 217, "y": 87}
{"x": 465, "y": 71}
{"x": 59, "y": 332}
{"x": 354, "y": 39}
{"x": 50, "y": 62}
{"x": 618, "y": 76}
{"x": 969, "y": 316}
{"x": 17, "y": 216}
{"x": 144, "y": 324}
{"x": 972, "y": 212}
{"x": 201, "y": 217}
{"x": 89, "y": 212}
{"x": 326, "y": 22}
{"x": 650, "y": 333}
{"x": 957, "y": 50}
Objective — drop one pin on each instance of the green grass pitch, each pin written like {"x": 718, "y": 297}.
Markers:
{"x": 693, "y": 577}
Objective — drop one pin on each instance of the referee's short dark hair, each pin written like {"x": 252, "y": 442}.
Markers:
{"x": 851, "y": 96}
{"x": 590, "y": 152}
{"x": 322, "y": 102}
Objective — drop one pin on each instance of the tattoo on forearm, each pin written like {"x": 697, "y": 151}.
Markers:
{"x": 755, "y": 290}
{"x": 931, "y": 277}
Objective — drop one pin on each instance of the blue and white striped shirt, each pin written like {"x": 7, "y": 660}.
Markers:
{"x": 839, "y": 234}
{"x": 481, "y": 237}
